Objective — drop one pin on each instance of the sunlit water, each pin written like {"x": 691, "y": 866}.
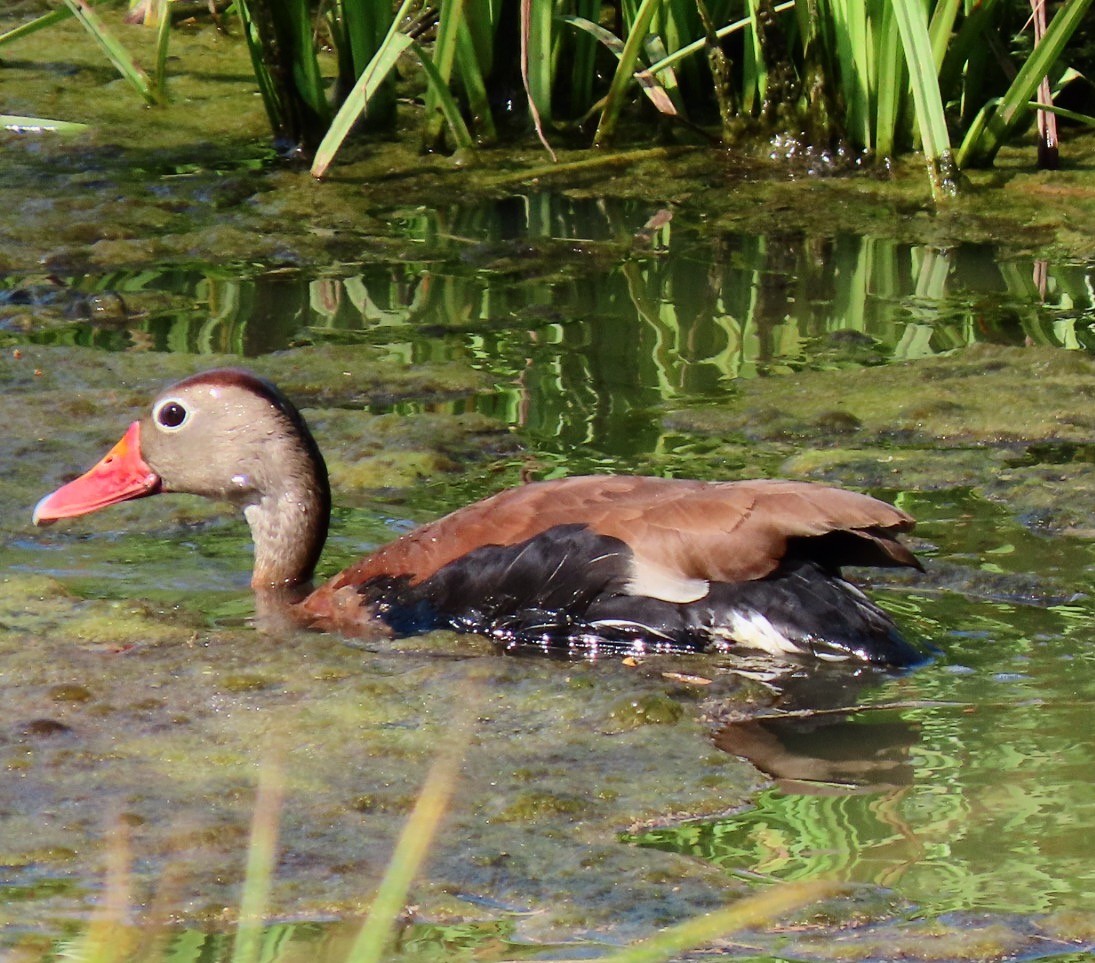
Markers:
{"x": 964, "y": 786}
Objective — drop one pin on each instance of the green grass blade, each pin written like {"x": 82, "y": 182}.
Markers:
{"x": 283, "y": 53}
{"x": 444, "y": 56}
{"x": 941, "y": 27}
{"x": 931, "y": 122}
{"x": 536, "y": 64}
{"x": 1072, "y": 115}
{"x": 700, "y": 45}
{"x": 754, "y": 67}
{"x": 625, "y": 70}
{"x": 890, "y": 84}
{"x": 119, "y": 56}
{"x": 267, "y": 88}
{"x": 383, "y": 62}
{"x": 583, "y": 62}
{"x": 963, "y": 75}
{"x": 40, "y": 23}
{"x": 984, "y": 139}
{"x": 855, "y": 59}
{"x": 475, "y": 89}
{"x": 414, "y": 844}
{"x": 163, "y": 36}
{"x": 14, "y": 122}
{"x": 445, "y": 101}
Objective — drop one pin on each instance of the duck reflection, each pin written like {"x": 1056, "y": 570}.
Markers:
{"x": 814, "y": 740}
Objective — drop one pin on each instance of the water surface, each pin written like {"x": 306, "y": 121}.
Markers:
{"x": 543, "y": 335}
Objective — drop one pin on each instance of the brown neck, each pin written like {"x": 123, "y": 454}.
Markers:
{"x": 288, "y": 530}
{"x": 289, "y": 522}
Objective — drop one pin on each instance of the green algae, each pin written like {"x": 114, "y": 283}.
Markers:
{"x": 178, "y": 195}
{"x": 651, "y": 710}
{"x": 566, "y": 754}
{"x": 987, "y": 418}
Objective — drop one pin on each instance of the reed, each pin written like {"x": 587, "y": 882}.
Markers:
{"x": 879, "y": 77}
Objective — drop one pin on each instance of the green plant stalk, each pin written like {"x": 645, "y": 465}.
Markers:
{"x": 267, "y": 89}
{"x": 40, "y": 23}
{"x": 700, "y": 45}
{"x": 358, "y": 98}
{"x": 279, "y": 39}
{"x": 931, "y": 122}
{"x": 996, "y": 120}
{"x": 296, "y": 27}
{"x": 962, "y": 74}
{"x": 721, "y": 73}
{"x": 536, "y": 64}
{"x": 1072, "y": 115}
{"x": 163, "y": 37}
{"x": 583, "y": 69}
{"x": 116, "y": 52}
{"x": 475, "y": 88}
{"x": 754, "y": 67}
{"x": 364, "y": 27}
{"x": 446, "y": 104}
{"x": 625, "y": 69}
{"x": 850, "y": 31}
{"x": 444, "y": 56}
{"x": 940, "y": 28}
{"x": 890, "y": 84}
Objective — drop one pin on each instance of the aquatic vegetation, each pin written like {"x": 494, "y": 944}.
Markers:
{"x": 112, "y": 935}
{"x": 834, "y": 78}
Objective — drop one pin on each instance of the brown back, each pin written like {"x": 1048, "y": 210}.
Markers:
{"x": 728, "y": 532}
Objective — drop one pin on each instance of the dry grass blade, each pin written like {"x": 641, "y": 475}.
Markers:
{"x": 414, "y": 843}
{"x": 764, "y": 908}
{"x": 990, "y": 128}
{"x": 261, "y": 858}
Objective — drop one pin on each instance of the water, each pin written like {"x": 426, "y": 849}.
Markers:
{"x": 963, "y": 787}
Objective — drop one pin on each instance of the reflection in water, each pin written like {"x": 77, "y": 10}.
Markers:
{"x": 963, "y": 786}
{"x": 586, "y": 322}
{"x": 977, "y": 793}
{"x": 824, "y": 754}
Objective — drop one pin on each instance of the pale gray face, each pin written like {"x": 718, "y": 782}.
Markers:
{"x": 221, "y": 437}
{"x": 222, "y": 434}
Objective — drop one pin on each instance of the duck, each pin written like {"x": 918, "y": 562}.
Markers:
{"x": 614, "y": 563}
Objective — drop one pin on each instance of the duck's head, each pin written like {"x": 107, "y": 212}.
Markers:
{"x": 223, "y": 434}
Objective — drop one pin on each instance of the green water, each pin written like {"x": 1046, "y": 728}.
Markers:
{"x": 546, "y": 334}
{"x": 449, "y": 331}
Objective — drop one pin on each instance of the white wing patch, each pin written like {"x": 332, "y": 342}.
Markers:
{"x": 752, "y": 630}
{"x": 656, "y": 582}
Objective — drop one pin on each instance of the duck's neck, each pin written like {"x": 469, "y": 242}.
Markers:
{"x": 289, "y": 522}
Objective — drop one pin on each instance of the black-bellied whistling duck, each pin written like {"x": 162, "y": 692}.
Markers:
{"x": 624, "y": 562}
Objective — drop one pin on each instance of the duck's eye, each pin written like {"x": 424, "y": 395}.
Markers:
{"x": 170, "y": 414}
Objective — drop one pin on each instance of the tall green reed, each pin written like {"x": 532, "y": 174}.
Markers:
{"x": 883, "y": 77}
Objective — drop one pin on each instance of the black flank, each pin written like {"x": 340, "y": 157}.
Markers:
{"x": 564, "y": 588}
